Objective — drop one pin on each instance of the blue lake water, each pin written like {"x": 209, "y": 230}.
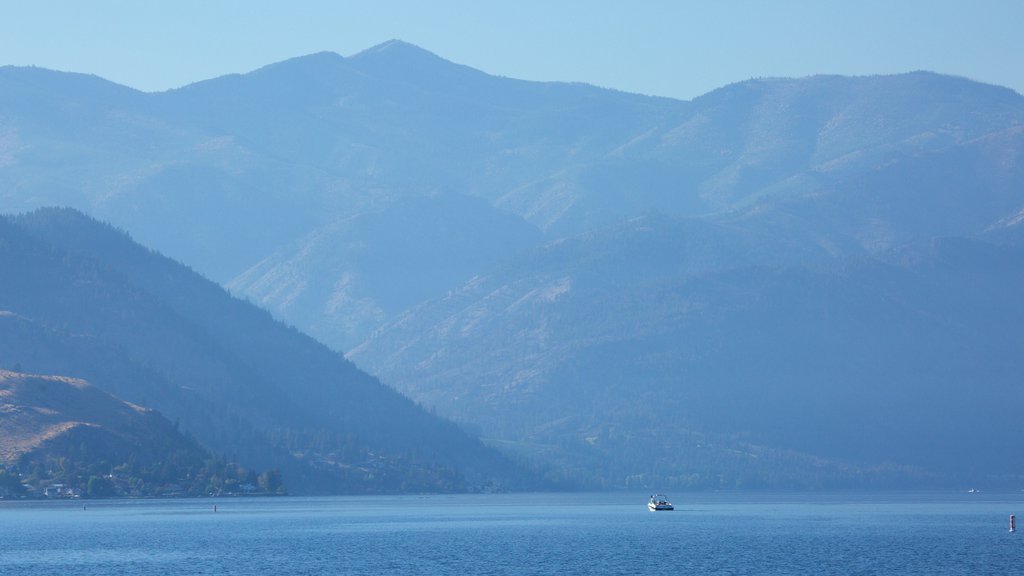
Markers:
{"x": 518, "y": 534}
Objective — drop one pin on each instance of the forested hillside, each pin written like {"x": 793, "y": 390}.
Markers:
{"x": 83, "y": 299}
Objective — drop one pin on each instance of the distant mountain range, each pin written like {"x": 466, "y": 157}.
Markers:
{"x": 784, "y": 282}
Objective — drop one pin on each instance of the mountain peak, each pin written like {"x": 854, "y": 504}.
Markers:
{"x": 395, "y": 48}
{"x": 409, "y": 63}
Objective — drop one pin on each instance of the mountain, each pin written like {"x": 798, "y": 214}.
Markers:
{"x": 783, "y": 282}
{"x": 83, "y": 299}
{"x": 242, "y": 176}
{"x": 342, "y": 281}
{"x": 223, "y": 173}
{"x": 635, "y": 355}
{"x": 62, "y": 431}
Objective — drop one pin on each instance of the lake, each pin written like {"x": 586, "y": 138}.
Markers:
{"x": 719, "y": 533}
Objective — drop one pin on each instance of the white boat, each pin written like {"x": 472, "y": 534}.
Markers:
{"x": 659, "y": 502}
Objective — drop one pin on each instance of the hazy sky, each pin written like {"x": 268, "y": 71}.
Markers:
{"x": 669, "y": 48}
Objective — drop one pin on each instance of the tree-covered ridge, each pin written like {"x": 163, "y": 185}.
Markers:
{"x": 86, "y": 300}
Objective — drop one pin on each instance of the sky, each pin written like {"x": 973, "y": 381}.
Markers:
{"x": 679, "y": 49}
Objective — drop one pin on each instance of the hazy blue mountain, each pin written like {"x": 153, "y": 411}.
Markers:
{"x": 83, "y": 299}
{"x": 630, "y": 288}
{"x": 633, "y": 346}
{"x": 235, "y": 175}
{"x": 344, "y": 280}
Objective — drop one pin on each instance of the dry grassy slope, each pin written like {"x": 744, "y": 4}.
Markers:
{"x": 35, "y": 409}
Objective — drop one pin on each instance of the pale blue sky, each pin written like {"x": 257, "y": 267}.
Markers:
{"x": 668, "y": 48}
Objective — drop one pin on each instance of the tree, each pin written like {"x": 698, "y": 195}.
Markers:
{"x": 99, "y": 487}
{"x": 10, "y": 483}
{"x": 270, "y": 481}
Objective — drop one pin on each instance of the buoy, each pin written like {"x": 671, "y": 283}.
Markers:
{"x": 1013, "y": 523}
{"x": 214, "y": 507}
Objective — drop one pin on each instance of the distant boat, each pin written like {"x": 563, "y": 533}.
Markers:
{"x": 659, "y": 502}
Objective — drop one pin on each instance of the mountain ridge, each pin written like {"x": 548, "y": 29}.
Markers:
{"x": 589, "y": 236}
{"x": 240, "y": 382}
